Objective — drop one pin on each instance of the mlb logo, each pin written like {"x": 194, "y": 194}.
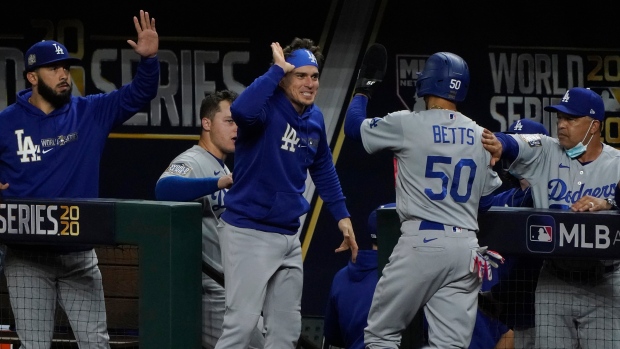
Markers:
{"x": 542, "y": 233}
{"x": 540, "y": 230}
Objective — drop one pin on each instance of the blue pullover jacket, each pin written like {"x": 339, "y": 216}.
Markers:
{"x": 57, "y": 155}
{"x": 349, "y": 301}
{"x": 275, "y": 150}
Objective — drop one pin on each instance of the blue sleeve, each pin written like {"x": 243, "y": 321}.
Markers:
{"x": 485, "y": 203}
{"x": 325, "y": 178}
{"x": 501, "y": 199}
{"x": 176, "y": 188}
{"x": 356, "y": 114}
{"x": 510, "y": 147}
{"x": 249, "y": 108}
{"x": 114, "y": 108}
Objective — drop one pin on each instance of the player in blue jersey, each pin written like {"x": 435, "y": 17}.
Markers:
{"x": 444, "y": 178}
{"x": 50, "y": 147}
{"x": 281, "y": 138}
{"x": 576, "y": 300}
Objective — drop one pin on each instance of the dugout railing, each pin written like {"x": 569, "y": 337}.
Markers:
{"x": 168, "y": 240}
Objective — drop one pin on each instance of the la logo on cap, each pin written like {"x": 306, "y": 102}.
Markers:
{"x": 59, "y": 50}
{"x": 565, "y": 98}
{"x": 519, "y": 126}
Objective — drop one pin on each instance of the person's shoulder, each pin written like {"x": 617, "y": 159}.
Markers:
{"x": 10, "y": 109}
{"x": 612, "y": 151}
{"x": 194, "y": 153}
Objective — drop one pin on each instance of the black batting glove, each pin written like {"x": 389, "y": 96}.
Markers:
{"x": 372, "y": 71}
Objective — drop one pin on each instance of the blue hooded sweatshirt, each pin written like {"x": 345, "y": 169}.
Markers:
{"x": 276, "y": 148}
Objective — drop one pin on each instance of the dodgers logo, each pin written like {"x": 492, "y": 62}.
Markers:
{"x": 540, "y": 230}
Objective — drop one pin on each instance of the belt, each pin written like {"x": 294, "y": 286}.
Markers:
{"x": 428, "y": 225}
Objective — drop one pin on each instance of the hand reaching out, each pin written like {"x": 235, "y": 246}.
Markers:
{"x": 349, "y": 238}
{"x": 148, "y": 40}
{"x": 492, "y": 145}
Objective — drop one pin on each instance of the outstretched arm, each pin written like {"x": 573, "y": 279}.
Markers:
{"x": 492, "y": 145}
{"x": 148, "y": 39}
{"x": 356, "y": 114}
{"x": 348, "y": 242}
{"x": 177, "y": 188}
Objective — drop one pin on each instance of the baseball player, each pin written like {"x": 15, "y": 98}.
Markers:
{"x": 50, "y": 147}
{"x": 200, "y": 174}
{"x": 576, "y": 301}
{"x": 281, "y": 139}
{"x": 443, "y": 175}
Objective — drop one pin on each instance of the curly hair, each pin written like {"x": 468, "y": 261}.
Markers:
{"x": 308, "y": 44}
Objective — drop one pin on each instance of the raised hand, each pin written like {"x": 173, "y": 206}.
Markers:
{"x": 278, "y": 57}
{"x": 148, "y": 40}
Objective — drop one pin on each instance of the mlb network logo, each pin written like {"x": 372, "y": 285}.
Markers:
{"x": 407, "y": 67}
{"x": 541, "y": 232}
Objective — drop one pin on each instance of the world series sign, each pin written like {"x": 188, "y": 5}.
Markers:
{"x": 57, "y": 222}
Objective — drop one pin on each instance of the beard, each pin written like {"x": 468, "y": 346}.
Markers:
{"x": 57, "y": 100}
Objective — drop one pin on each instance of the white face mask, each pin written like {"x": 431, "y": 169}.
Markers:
{"x": 579, "y": 149}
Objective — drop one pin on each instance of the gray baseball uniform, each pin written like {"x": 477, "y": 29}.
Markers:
{"x": 557, "y": 181}
{"x": 196, "y": 162}
{"x": 443, "y": 171}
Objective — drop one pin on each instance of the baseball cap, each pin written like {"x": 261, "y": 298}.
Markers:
{"x": 372, "y": 221}
{"x": 578, "y": 102}
{"x": 527, "y": 126}
{"x": 47, "y": 52}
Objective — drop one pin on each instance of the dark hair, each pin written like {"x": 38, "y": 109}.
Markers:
{"x": 308, "y": 44}
{"x": 211, "y": 103}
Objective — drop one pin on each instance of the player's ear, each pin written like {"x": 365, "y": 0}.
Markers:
{"x": 600, "y": 127}
{"x": 31, "y": 77}
{"x": 206, "y": 124}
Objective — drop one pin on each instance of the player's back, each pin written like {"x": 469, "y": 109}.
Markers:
{"x": 443, "y": 168}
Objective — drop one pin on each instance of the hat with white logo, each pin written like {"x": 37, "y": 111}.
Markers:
{"x": 578, "y": 102}
{"x": 527, "y": 126}
{"x": 47, "y": 52}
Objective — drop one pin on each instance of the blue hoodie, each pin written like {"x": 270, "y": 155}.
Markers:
{"x": 349, "y": 301}
{"x": 275, "y": 149}
{"x": 57, "y": 155}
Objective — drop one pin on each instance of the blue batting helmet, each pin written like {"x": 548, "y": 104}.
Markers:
{"x": 445, "y": 75}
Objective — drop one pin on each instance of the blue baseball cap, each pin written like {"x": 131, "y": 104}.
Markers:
{"x": 47, "y": 52}
{"x": 578, "y": 102}
{"x": 527, "y": 126}
{"x": 372, "y": 221}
